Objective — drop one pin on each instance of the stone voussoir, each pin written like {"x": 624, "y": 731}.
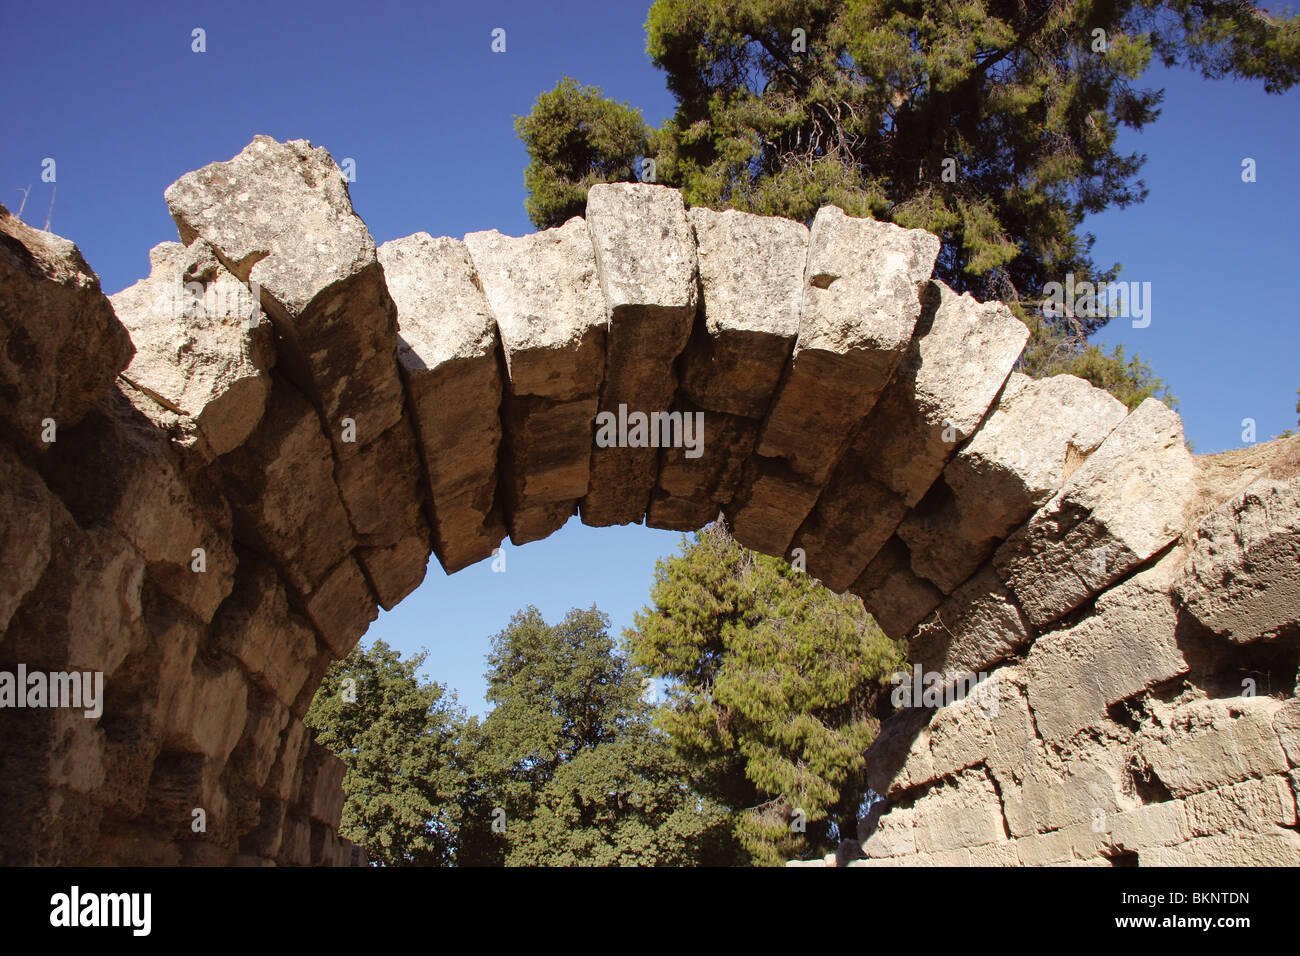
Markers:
{"x": 751, "y": 274}
{"x": 1122, "y": 506}
{"x": 1037, "y": 433}
{"x": 545, "y": 295}
{"x": 953, "y": 369}
{"x": 450, "y": 365}
{"x": 860, "y": 304}
{"x": 321, "y": 285}
{"x": 203, "y": 356}
{"x": 646, "y": 260}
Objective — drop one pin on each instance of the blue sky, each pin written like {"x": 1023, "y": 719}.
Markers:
{"x": 414, "y": 94}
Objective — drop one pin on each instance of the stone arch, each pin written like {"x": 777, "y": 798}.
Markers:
{"x": 232, "y": 491}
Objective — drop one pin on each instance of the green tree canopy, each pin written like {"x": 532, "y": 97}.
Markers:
{"x": 773, "y": 690}
{"x": 569, "y": 762}
{"x": 992, "y": 124}
{"x": 577, "y": 138}
{"x": 399, "y": 738}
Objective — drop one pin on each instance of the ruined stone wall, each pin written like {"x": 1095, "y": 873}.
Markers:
{"x": 207, "y": 502}
{"x": 1157, "y": 724}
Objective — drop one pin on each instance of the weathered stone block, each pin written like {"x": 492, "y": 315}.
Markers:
{"x": 450, "y": 365}
{"x": 896, "y": 597}
{"x": 1125, "y": 503}
{"x": 25, "y": 535}
{"x": 257, "y": 626}
{"x": 61, "y": 346}
{"x": 1213, "y": 743}
{"x": 209, "y": 718}
{"x": 280, "y": 484}
{"x": 955, "y": 365}
{"x": 1037, "y": 433}
{"x": 384, "y": 501}
{"x": 1286, "y": 724}
{"x": 342, "y": 607}
{"x": 1279, "y": 848}
{"x": 285, "y": 779}
{"x": 84, "y": 611}
{"x": 751, "y": 277}
{"x": 545, "y": 295}
{"x": 1156, "y": 824}
{"x": 201, "y": 370}
{"x": 116, "y": 469}
{"x": 645, "y": 257}
{"x": 860, "y": 305}
{"x": 1081, "y": 791}
{"x": 691, "y": 492}
{"x": 320, "y": 795}
{"x": 396, "y": 570}
{"x": 1127, "y": 645}
{"x": 963, "y": 811}
{"x": 977, "y": 627}
{"x": 1252, "y": 805}
{"x": 251, "y": 760}
{"x": 322, "y": 287}
{"x": 1241, "y": 580}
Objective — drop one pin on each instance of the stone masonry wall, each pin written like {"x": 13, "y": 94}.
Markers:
{"x": 213, "y": 480}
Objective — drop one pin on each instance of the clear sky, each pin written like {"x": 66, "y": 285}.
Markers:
{"x": 413, "y": 93}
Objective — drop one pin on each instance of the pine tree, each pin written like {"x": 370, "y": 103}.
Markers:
{"x": 576, "y": 138}
{"x": 774, "y": 687}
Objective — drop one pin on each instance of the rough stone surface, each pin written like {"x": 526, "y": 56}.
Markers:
{"x": 449, "y": 361}
{"x": 1127, "y": 645}
{"x": 280, "y": 484}
{"x": 203, "y": 353}
{"x": 342, "y": 607}
{"x": 321, "y": 285}
{"x": 258, "y": 626}
{"x": 861, "y": 300}
{"x": 645, "y": 256}
{"x": 115, "y": 469}
{"x": 978, "y": 626}
{"x": 1240, "y": 581}
{"x": 1125, "y": 503}
{"x": 61, "y": 344}
{"x": 27, "y": 532}
{"x": 751, "y": 273}
{"x": 955, "y": 366}
{"x": 1036, "y": 435}
{"x": 1101, "y": 744}
{"x": 896, "y": 597}
{"x": 1214, "y": 743}
{"x": 551, "y": 314}
{"x": 691, "y": 492}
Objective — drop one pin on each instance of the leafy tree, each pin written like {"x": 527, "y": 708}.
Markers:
{"x": 399, "y": 738}
{"x": 992, "y": 124}
{"x": 570, "y": 762}
{"x": 576, "y": 138}
{"x": 774, "y": 689}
